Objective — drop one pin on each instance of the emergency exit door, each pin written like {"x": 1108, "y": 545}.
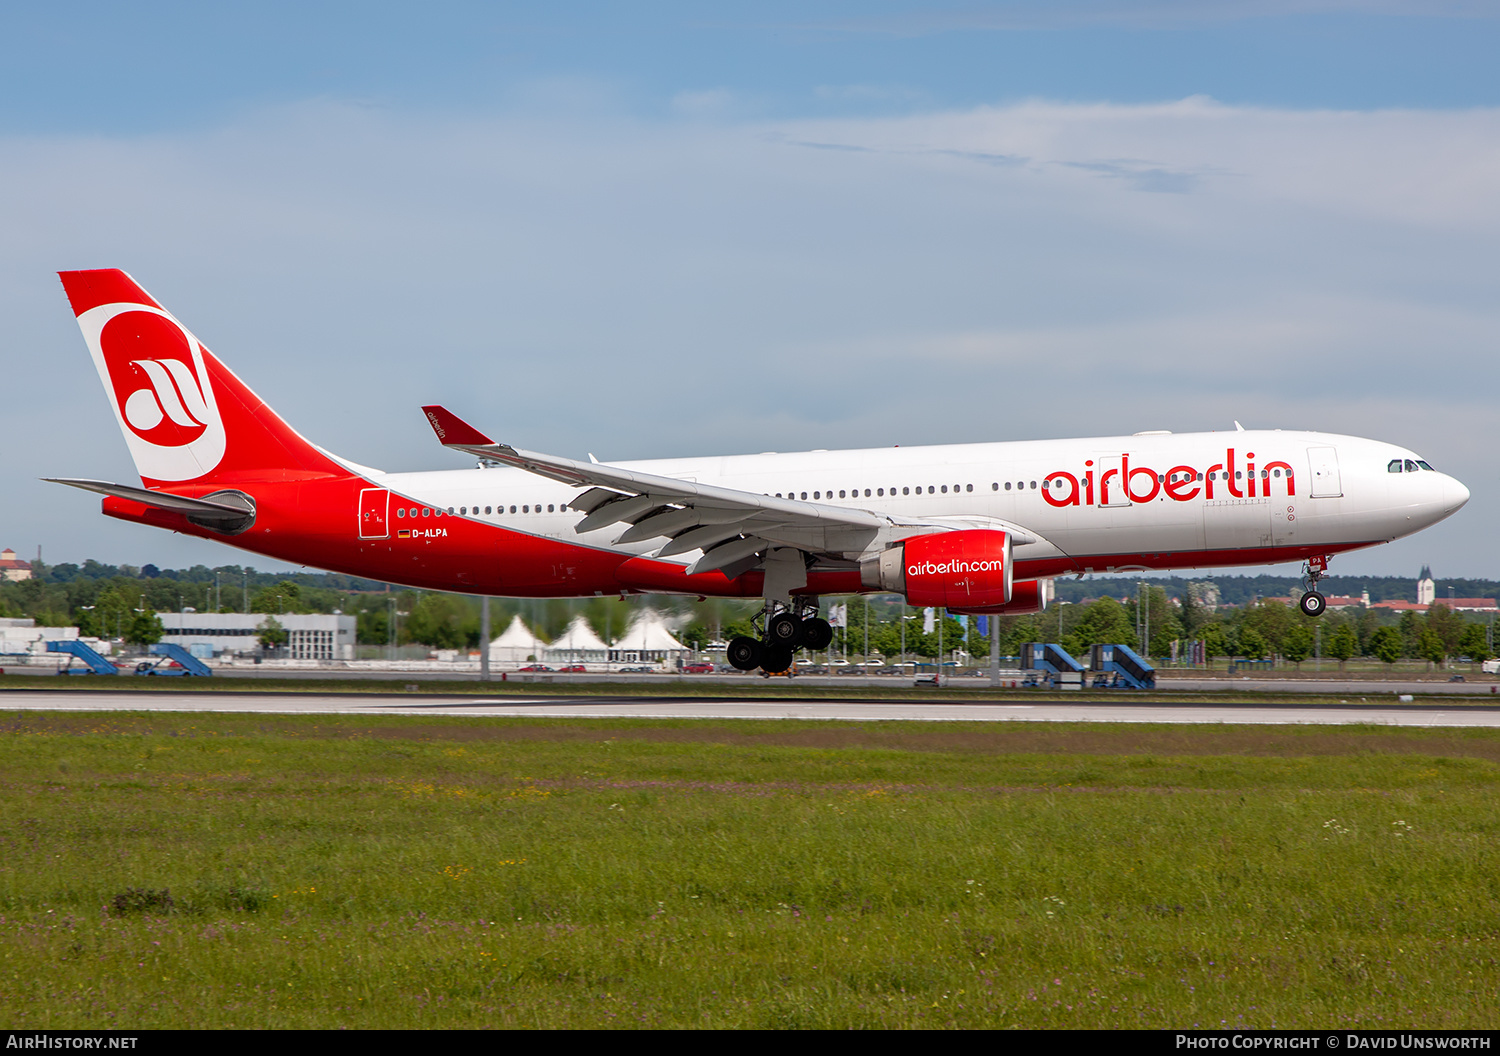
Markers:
{"x": 374, "y": 513}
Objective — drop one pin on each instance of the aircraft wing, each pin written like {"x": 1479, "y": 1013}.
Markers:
{"x": 727, "y": 524}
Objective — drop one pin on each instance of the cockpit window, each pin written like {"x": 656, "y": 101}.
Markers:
{"x": 1394, "y": 466}
{"x": 1411, "y": 467}
{"x": 1424, "y": 465}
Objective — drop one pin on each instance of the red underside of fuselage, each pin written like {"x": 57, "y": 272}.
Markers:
{"x": 315, "y": 523}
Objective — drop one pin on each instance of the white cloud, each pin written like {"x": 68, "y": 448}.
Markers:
{"x": 576, "y": 280}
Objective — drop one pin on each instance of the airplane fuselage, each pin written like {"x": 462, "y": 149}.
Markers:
{"x": 1157, "y": 502}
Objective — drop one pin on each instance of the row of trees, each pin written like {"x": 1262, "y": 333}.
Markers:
{"x": 121, "y": 602}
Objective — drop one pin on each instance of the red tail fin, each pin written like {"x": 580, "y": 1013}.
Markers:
{"x": 185, "y": 416}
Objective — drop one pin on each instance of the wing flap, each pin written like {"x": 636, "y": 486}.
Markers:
{"x": 617, "y": 494}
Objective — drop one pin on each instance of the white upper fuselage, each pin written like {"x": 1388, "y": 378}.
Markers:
{"x": 1187, "y": 494}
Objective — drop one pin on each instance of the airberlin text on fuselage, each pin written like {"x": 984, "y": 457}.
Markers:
{"x": 948, "y": 568}
{"x": 1180, "y": 483}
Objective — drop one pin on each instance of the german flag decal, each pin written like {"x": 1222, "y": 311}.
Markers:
{"x": 404, "y": 533}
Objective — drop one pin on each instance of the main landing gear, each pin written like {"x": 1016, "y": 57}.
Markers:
{"x": 1313, "y": 603}
{"x": 785, "y": 631}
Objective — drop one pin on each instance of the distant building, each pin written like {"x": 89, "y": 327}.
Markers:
{"x": 1347, "y": 601}
{"x": 12, "y": 569}
{"x": 1426, "y": 587}
{"x": 1399, "y": 606}
{"x": 1427, "y": 597}
{"x": 20, "y": 634}
{"x": 308, "y": 637}
{"x": 1470, "y": 604}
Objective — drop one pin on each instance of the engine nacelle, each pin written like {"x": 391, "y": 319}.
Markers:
{"x": 955, "y": 570}
{"x": 1027, "y": 598}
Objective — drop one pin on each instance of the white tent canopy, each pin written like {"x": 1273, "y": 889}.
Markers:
{"x": 647, "y": 639}
{"x": 518, "y": 644}
{"x": 578, "y": 645}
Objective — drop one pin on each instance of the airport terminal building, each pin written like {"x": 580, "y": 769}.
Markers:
{"x": 310, "y": 637}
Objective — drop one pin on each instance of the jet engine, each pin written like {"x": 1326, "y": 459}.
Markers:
{"x": 1027, "y": 598}
{"x": 955, "y": 570}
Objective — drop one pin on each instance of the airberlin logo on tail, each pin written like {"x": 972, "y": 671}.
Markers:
{"x": 173, "y": 399}
{"x": 1115, "y": 482}
{"x": 154, "y": 370}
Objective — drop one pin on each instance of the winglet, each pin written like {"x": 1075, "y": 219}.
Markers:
{"x": 453, "y": 430}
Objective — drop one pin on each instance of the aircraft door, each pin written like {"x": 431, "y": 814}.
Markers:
{"x": 1324, "y": 464}
{"x": 374, "y": 513}
{"x": 1110, "y": 487}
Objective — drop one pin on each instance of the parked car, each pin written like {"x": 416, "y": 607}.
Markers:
{"x": 641, "y": 670}
{"x": 573, "y": 669}
{"x": 702, "y": 667}
{"x": 536, "y": 667}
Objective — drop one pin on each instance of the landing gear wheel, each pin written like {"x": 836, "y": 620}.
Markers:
{"x": 816, "y": 634}
{"x": 785, "y": 630}
{"x": 775, "y": 659}
{"x": 1312, "y": 603}
{"x": 744, "y": 653}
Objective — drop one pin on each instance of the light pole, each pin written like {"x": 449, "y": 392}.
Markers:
{"x": 484, "y": 638}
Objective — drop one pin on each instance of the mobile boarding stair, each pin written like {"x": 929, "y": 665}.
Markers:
{"x": 1046, "y": 663}
{"x": 1120, "y": 667}
{"x": 188, "y": 664}
{"x": 93, "y": 663}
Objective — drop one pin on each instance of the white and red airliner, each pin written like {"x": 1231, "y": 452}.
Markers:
{"x": 973, "y": 527}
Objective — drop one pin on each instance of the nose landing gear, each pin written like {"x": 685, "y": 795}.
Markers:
{"x": 1313, "y": 603}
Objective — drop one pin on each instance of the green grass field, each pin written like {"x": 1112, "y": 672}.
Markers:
{"x": 278, "y": 871}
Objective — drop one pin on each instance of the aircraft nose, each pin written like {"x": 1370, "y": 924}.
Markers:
{"x": 1455, "y": 495}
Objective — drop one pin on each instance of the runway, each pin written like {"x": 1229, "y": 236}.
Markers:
{"x": 1140, "y": 711}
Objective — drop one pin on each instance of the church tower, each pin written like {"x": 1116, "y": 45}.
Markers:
{"x": 1426, "y": 587}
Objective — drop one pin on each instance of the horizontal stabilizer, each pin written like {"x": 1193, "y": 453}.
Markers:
{"x": 226, "y": 511}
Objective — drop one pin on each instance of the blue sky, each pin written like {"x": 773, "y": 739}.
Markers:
{"x": 720, "y": 228}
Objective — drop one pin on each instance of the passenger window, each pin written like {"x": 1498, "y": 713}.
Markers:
{"x": 933, "y": 491}
{"x": 906, "y": 491}
{"x": 841, "y": 493}
{"x": 426, "y": 511}
{"x": 945, "y": 489}
{"x": 968, "y": 487}
{"x": 401, "y": 511}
